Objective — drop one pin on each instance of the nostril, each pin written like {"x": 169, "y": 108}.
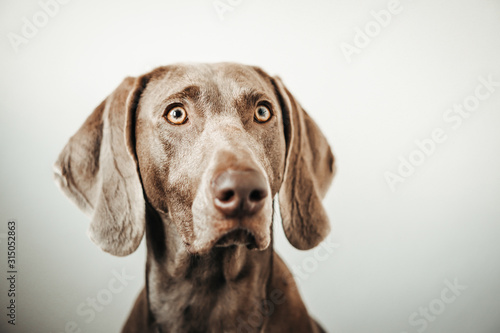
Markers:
{"x": 239, "y": 192}
{"x": 257, "y": 195}
{"x": 226, "y": 195}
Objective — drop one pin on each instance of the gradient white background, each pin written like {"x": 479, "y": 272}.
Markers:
{"x": 395, "y": 249}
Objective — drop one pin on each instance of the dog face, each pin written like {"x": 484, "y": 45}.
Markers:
{"x": 211, "y": 151}
{"x": 208, "y": 147}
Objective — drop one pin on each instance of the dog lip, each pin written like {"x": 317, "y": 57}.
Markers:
{"x": 238, "y": 236}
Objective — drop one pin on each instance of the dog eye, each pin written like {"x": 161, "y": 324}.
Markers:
{"x": 262, "y": 114}
{"x": 176, "y": 116}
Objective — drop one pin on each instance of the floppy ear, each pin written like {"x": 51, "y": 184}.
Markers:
{"x": 97, "y": 171}
{"x": 309, "y": 170}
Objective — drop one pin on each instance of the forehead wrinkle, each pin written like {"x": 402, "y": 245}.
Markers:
{"x": 211, "y": 98}
{"x": 229, "y": 93}
{"x": 250, "y": 97}
{"x": 176, "y": 83}
{"x": 192, "y": 92}
{"x": 244, "y": 87}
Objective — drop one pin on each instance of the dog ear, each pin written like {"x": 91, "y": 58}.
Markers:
{"x": 97, "y": 170}
{"x": 309, "y": 170}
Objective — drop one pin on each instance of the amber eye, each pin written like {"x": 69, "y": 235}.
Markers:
{"x": 176, "y": 116}
{"x": 262, "y": 114}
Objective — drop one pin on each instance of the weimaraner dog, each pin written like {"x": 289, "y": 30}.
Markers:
{"x": 193, "y": 155}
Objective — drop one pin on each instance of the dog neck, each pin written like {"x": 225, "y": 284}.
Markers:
{"x": 189, "y": 292}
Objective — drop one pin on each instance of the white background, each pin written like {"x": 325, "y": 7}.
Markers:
{"x": 395, "y": 249}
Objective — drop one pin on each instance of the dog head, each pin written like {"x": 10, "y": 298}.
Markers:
{"x": 208, "y": 146}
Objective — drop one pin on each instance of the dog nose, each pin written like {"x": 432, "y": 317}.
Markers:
{"x": 239, "y": 193}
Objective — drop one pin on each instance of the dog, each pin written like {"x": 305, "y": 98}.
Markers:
{"x": 193, "y": 156}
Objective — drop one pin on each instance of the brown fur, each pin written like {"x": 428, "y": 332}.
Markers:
{"x": 134, "y": 172}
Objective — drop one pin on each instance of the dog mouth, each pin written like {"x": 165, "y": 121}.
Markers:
{"x": 238, "y": 236}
